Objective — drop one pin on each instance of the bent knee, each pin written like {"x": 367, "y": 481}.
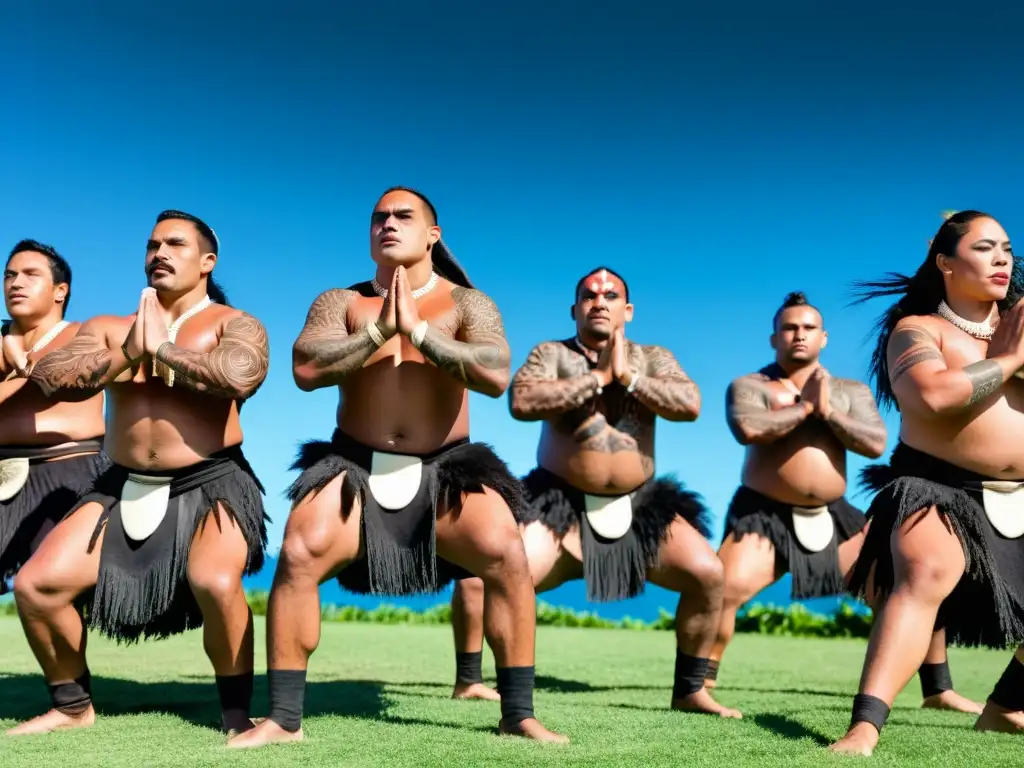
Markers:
{"x": 708, "y": 575}
{"x": 33, "y": 591}
{"x": 215, "y": 584}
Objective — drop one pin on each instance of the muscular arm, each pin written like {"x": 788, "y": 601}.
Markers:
{"x": 81, "y": 368}
{"x": 921, "y": 380}
{"x": 481, "y": 361}
{"x": 234, "y": 369}
{"x": 861, "y": 429}
{"x": 750, "y": 417}
{"x": 665, "y": 389}
{"x": 537, "y": 394}
{"x": 325, "y": 353}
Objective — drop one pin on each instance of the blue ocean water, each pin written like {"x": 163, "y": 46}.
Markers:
{"x": 646, "y": 607}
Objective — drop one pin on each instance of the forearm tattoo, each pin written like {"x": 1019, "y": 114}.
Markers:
{"x": 235, "y": 368}
{"x": 909, "y": 346}
{"x": 854, "y": 418}
{"x": 481, "y": 362}
{"x": 664, "y": 388}
{"x": 325, "y": 346}
{"x": 986, "y": 377}
{"x": 750, "y": 417}
{"x": 537, "y": 392}
{"x": 78, "y": 370}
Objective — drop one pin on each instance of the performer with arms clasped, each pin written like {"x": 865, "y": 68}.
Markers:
{"x": 596, "y": 509}
{"x": 49, "y": 451}
{"x": 399, "y": 501}
{"x": 946, "y": 541}
{"x": 799, "y": 423}
{"x": 164, "y": 536}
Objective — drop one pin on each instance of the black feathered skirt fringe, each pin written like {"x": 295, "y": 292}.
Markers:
{"x": 53, "y": 487}
{"x": 815, "y": 574}
{"x": 987, "y": 605}
{"x": 614, "y": 569}
{"x": 401, "y": 545}
{"x": 142, "y": 590}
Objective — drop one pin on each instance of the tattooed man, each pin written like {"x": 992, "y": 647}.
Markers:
{"x": 161, "y": 540}
{"x": 399, "y": 501}
{"x": 595, "y": 509}
{"x": 790, "y": 514}
{"x": 947, "y": 524}
{"x": 49, "y": 451}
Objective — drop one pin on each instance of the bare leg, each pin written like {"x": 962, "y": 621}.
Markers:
{"x": 688, "y": 565}
{"x": 468, "y": 629}
{"x": 317, "y": 544}
{"x": 216, "y": 562}
{"x": 482, "y": 537}
{"x": 44, "y": 590}
{"x": 947, "y": 699}
{"x": 749, "y": 567}
{"x": 1006, "y": 717}
{"x": 928, "y": 562}
{"x": 550, "y": 566}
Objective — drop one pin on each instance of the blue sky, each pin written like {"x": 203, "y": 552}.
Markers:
{"x": 717, "y": 158}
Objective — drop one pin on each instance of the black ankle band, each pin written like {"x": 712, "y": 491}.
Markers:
{"x": 712, "y": 673}
{"x": 469, "y": 667}
{"x": 287, "y": 694}
{"x": 935, "y": 679}
{"x": 235, "y": 692}
{"x": 72, "y": 698}
{"x": 869, "y": 709}
{"x": 690, "y": 675}
{"x": 515, "y": 684}
{"x": 1009, "y": 691}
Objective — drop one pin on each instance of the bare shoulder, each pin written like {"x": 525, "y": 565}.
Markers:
{"x": 546, "y": 359}
{"x": 475, "y": 306}
{"x": 237, "y": 324}
{"x": 329, "y": 310}
{"x": 105, "y": 326}
{"x": 920, "y": 327}
{"x": 751, "y": 388}
{"x": 658, "y": 359}
{"x": 851, "y": 386}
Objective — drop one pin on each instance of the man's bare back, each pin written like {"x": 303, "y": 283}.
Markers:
{"x": 606, "y": 445}
{"x": 223, "y": 355}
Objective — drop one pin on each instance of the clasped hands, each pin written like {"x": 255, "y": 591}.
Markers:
{"x": 399, "y": 314}
{"x": 613, "y": 362}
{"x": 148, "y": 332}
{"x": 817, "y": 392}
{"x": 16, "y": 357}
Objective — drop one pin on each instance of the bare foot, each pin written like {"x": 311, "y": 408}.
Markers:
{"x": 996, "y": 718}
{"x": 861, "y": 739}
{"x": 532, "y": 729}
{"x": 267, "y": 732}
{"x": 953, "y": 701}
{"x": 54, "y": 720}
{"x": 701, "y": 703}
{"x": 478, "y": 691}
{"x": 240, "y": 725}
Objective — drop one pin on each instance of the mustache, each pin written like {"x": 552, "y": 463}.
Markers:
{"x": 158, "y": 265}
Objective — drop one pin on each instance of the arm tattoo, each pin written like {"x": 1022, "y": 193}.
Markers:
{"x": 986, "y": 378}
{"x": 665, "y": 389}
{"x": 79, "y": 369}
{"x": 750, "y": 417}
{"x": 538, "y": 394}
{"x": 860, "y": 429}
{"x": 235, "y": 368}
{"x": 325, "y": 352}
{"x": 481, "y": 362}
{"x": 909, "y": 346}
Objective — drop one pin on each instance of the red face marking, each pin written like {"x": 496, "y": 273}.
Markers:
{"x": 602, "y": 282}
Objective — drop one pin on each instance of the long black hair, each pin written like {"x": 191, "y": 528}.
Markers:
{"x": 920, "y": 294}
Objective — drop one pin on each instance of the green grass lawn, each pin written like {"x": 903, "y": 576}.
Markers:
{"x": 378, "y": 695}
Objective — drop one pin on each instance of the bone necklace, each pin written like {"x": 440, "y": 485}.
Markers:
{"x": 172, "y": 335}
{"x": 381, "y": 291}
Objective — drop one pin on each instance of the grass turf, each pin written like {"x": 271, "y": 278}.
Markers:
{"x": 378, "y": 696}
